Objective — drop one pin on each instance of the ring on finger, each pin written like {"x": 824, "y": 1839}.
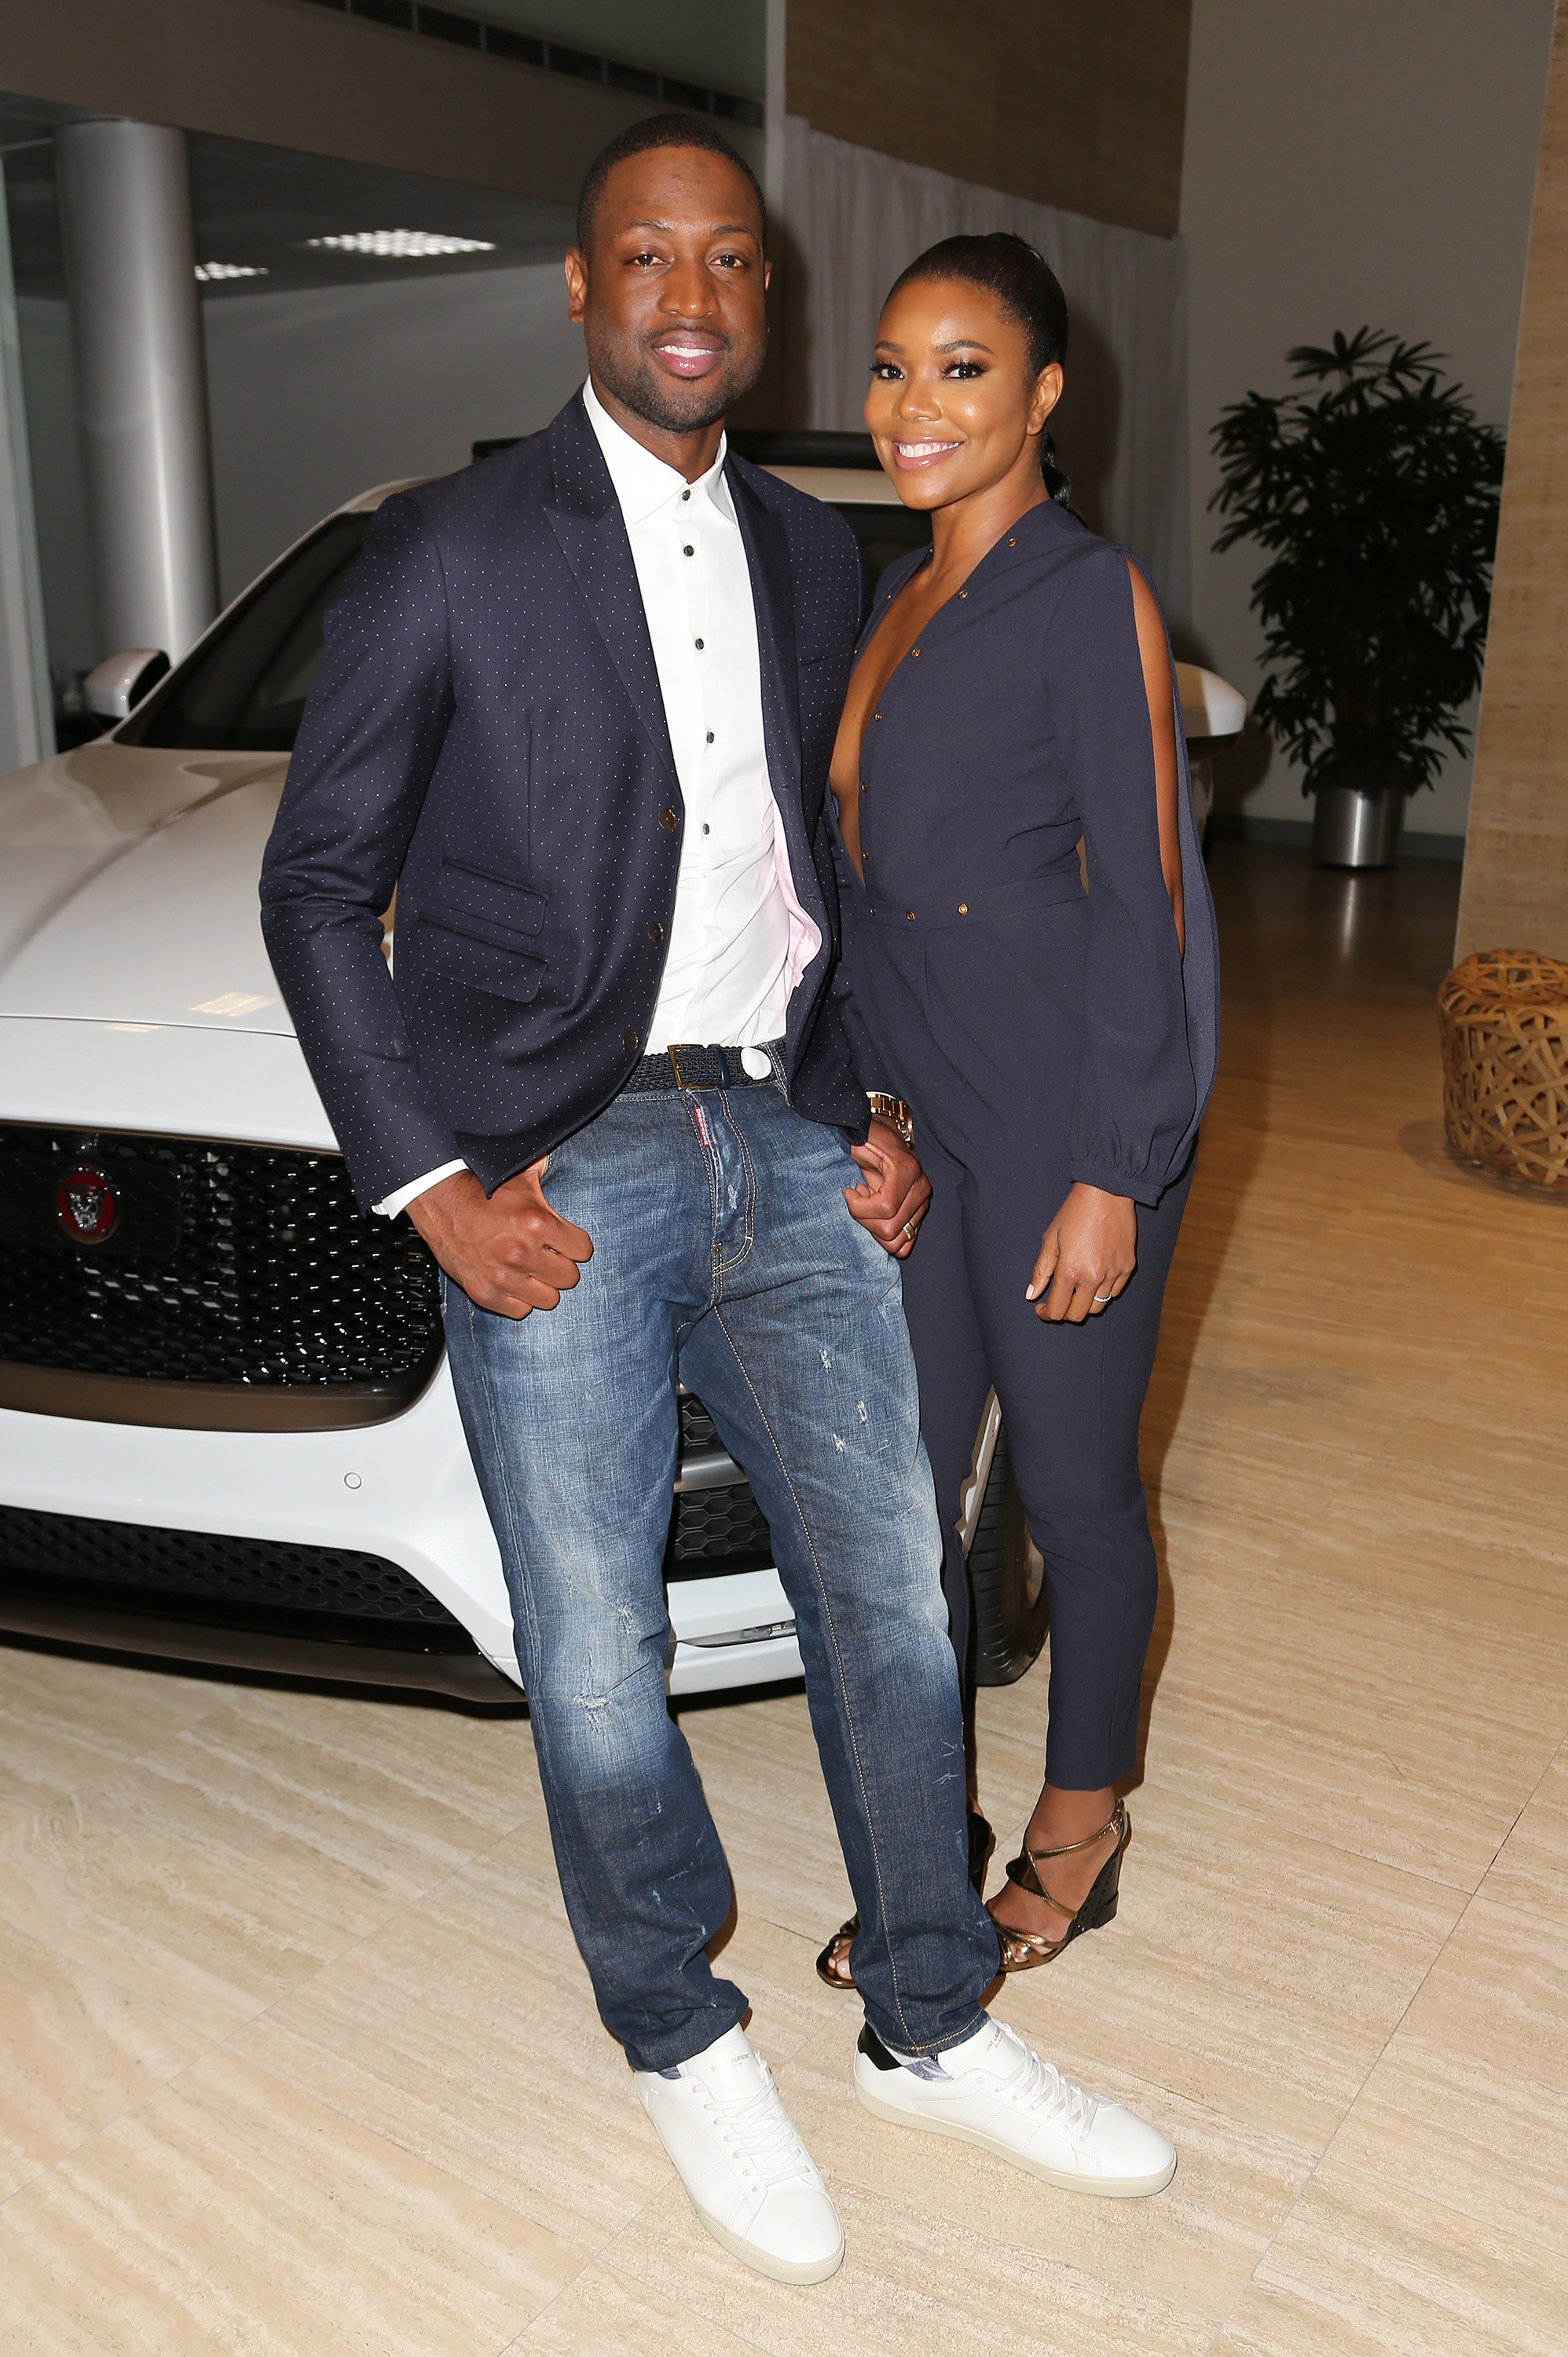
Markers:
{"x": 1103, "y": 1298}
{"x": 908, "y": 1231}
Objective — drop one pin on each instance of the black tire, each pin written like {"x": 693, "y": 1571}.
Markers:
{"x": 1007, "y": 1581}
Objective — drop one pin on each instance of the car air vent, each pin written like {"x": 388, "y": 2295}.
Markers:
{"x": 718, "y": 1530}
{"x": 698, "y": 1432}
{"x": 151, "y": 1569}
{"x": 191, "y": 1261}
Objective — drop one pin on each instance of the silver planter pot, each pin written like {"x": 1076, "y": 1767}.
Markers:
{"x": 1357, "y": 826}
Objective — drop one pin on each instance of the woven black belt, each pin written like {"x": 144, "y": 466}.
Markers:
{"x": 686, "y": 1067}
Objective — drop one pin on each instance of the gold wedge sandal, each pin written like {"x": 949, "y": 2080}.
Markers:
{"x": 832, "y": 1965}
{"x": 1021, "y": 1951}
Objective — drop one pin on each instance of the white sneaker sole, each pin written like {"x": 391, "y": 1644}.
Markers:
{"x": 793, "y": 2271}
{"x": 1108, "y": 2189}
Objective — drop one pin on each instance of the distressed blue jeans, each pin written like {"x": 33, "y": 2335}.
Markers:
{"x": 723, "y": 1253}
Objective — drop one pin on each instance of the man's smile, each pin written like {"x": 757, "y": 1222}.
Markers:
{"x": 686, "y": 354}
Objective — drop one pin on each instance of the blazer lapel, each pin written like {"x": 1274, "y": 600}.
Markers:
{"x": 773, "y": 596}
{"x": 586, "y": 518}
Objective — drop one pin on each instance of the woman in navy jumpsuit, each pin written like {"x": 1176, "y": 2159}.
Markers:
{"x": 1047, "y": 1038}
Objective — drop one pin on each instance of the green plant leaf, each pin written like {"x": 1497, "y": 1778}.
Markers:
{"x": 1375, "y": 499}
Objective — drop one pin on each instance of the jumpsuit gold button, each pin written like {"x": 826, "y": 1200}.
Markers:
{"x": 963, "y": 593}
{"x": 864, "y": 785}
{"x": 914, "y": 651}
{"x": 1012, "y": 541}
{"x": 963, "y": 908}
{"x": 909, "y": 916}
{"x": 876, "y": 715}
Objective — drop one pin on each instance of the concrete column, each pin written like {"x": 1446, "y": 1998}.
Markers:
{"x": 26, "y": 712}
{"x": 130, "y": 267}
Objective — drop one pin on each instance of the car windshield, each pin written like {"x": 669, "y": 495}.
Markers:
{"x": 243, "y": 690}
{"x": 885, "y": 533}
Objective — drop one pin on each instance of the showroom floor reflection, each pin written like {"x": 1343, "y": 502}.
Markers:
{"x": 297, "y": 2053}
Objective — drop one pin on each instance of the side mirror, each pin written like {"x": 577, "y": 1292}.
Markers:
{"x": 113, "y": 686}
{"x": 1212, "y": 711}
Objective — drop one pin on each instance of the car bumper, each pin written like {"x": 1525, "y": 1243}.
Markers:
{"x": 403, "y": 1489}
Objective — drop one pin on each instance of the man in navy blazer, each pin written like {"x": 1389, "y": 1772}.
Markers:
{"x": 577, "y": 704}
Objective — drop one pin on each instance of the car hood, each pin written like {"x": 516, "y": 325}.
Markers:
{"x": 128, "y": 888}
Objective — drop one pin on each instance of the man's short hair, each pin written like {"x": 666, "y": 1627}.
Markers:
{"x": 641, "y": 139}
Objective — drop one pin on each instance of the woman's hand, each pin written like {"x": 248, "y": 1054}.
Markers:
{"x": 1086, "y": 1255}
{"x": 894, "y": 1194}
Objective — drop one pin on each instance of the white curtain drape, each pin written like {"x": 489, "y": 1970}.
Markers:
{"x": 855, "y": 218}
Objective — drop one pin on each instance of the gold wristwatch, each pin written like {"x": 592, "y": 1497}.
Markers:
{"x": 894, "y": 1110}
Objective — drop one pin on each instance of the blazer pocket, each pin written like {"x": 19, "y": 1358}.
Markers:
{"x": 455, "y": 953}
{"x": 472, "y": 901}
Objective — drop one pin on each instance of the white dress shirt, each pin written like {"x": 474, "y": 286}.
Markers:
{"x": 739, "y": 940}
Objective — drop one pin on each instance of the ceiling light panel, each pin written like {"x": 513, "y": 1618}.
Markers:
{"x": 402, "y": 244}
{"x": 208, "y": 271}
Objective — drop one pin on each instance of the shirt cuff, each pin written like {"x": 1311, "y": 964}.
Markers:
{"x": 402, "y": 1197}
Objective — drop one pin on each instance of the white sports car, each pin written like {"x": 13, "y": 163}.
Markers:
{"x": 227, "y": 1431}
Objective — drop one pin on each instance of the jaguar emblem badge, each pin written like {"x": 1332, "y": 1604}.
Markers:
{"x": 87, "y": 1206}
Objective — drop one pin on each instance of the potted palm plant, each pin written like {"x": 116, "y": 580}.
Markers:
{"x": 1373, "y": 490}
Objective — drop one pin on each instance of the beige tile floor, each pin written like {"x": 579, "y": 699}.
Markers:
{"x": 296, "y": 2058}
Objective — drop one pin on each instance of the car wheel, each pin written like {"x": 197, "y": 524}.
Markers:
{"x": 1007, "y": 1580}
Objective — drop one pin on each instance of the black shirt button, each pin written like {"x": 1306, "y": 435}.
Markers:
{"x": 685, "y": 495}
{"x": 655, "y": 930}
{"x": 698, "y": 644}
{"x": 668, "y": 821}
{"x": 630, "y": 1040}
{"x": 688, "y": 550}
{"x": 710, "y": 736}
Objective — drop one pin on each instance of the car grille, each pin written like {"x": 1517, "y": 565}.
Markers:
{"x": 229, "y": 1264}
{"x": 264, "y": 1581}
{"x": 718, "y": 1530}
{"x": 712, "y": 1530}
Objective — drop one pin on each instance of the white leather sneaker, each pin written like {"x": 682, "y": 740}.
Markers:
{"x": 752, "y": 2183}
{"x": 995, "y": 2091}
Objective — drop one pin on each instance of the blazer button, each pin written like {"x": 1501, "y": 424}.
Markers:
{"x": 655, "y": 930}
{"x": 668, "y": 821}
{"x": 630, "y": 1040}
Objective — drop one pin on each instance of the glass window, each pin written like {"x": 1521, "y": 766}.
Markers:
{"x": 244, "y": 689}
{"x": 885, "y": 533}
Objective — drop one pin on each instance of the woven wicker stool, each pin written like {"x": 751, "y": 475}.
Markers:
{"x": 1504, "y": 1015}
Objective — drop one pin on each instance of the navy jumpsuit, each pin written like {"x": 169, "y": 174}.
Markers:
{"x": 1042, "y": 1034}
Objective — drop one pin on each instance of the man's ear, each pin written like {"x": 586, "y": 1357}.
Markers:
{"x": 576, "y": 271}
